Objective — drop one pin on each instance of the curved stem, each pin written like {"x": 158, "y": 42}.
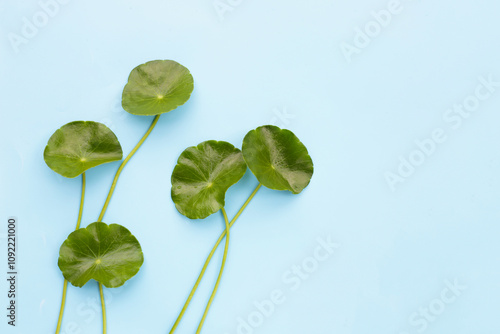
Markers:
{"x": 63, "y": 303}
{"x": 118, "y": 172}
{"x": 103, "y": 305}
{"x": 65, "y": 285}
{"x": 195, "y": 287}
{"x": 82, "y": 199}
{"x": 224, "y": 257}
{"x": 110, "y": 194}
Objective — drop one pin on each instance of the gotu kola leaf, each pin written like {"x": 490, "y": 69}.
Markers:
{"x": 109, "y": 254}
{"x": 277, "y": 158}
{"x": 80, "y": 145}
{"x": 157, "y": 87}
{"x": 202, "y": 176}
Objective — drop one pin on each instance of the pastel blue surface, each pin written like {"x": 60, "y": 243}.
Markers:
{"x": 397, "y": 102}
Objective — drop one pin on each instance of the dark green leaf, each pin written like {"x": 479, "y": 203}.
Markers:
{"x": 202, "y": 176}
{"x": 277, "y": 158}
{"x": 78, "y": 146}
{"x": 157, "y": 87}
{"x": 109, "y": 254}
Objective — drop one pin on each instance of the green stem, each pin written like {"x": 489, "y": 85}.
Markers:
{"x": 220, "y": 273}
{"x": 65, "y": 285}
{"x": 195, "y": 287}
{"x": 82, "y": 199}
{"x": 110, "y": 194}
{"x": 103, "y": 305}
{"x": 118, "y": 172}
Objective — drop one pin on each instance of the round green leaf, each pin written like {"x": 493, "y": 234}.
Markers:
{"x": 78, "y": 146}
{"x": 109, "y": 254}
{"x": 157, "y": 87}
{"x": 202, "y": 176}
{"x": 277, "y": 158}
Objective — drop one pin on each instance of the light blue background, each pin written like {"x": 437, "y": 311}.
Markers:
{"x": 357, "y": 118}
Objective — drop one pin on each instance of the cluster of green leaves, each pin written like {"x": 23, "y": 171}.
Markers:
{"x": 204, "y": 173}
{"x": 110, "y": 254}
{"x": 98, "y": 251}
